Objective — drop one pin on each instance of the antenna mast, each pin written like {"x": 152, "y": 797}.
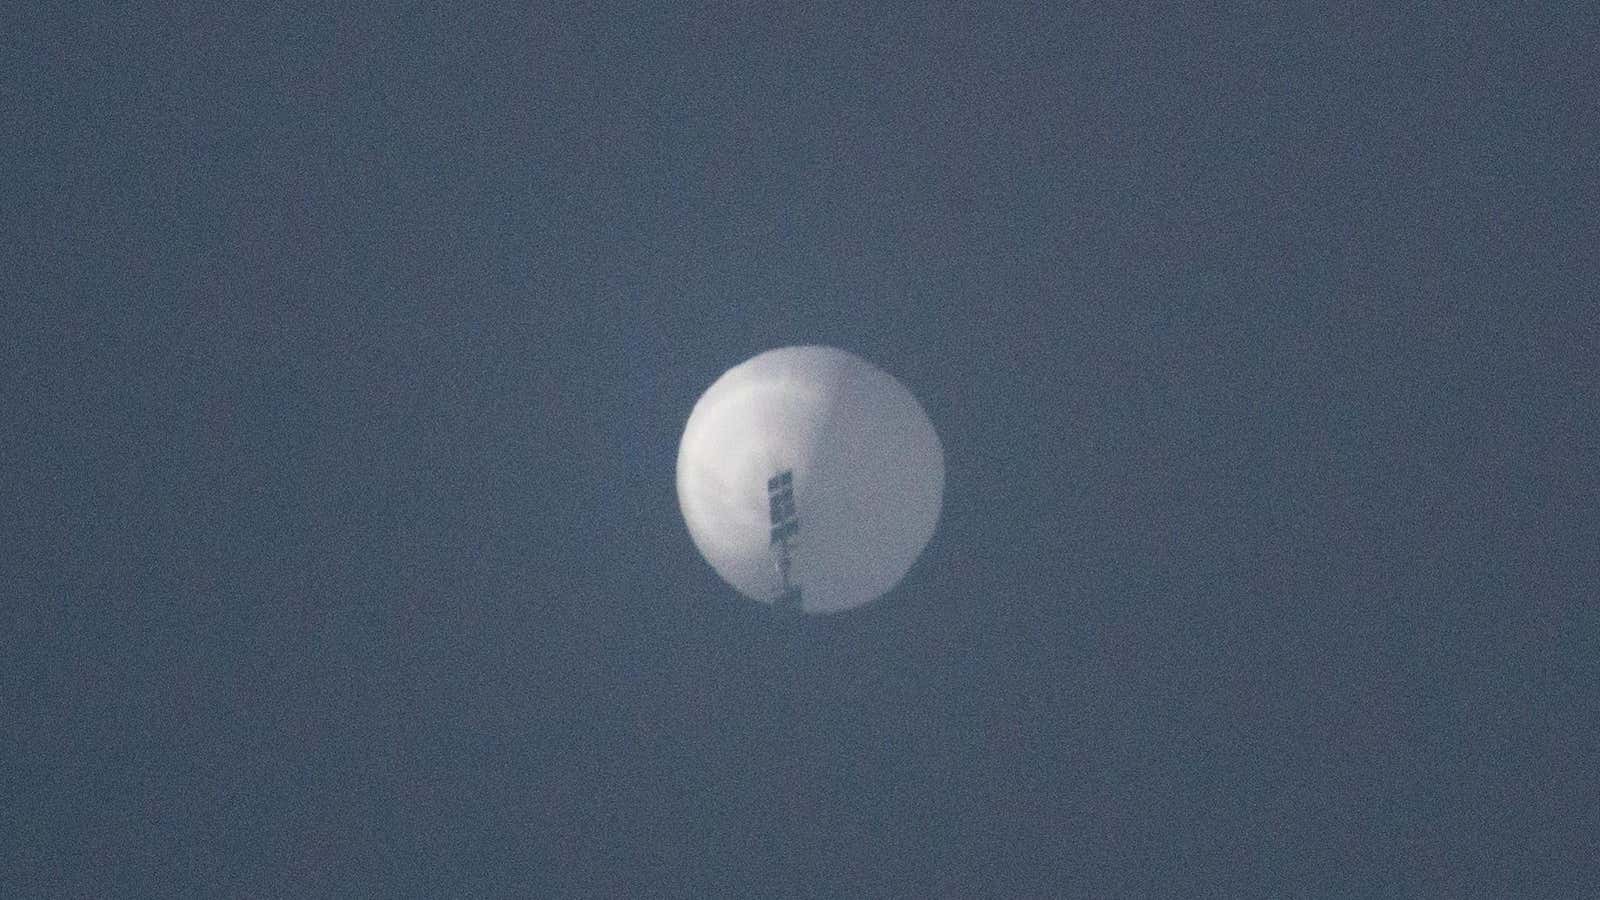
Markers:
{"x": 785, "y": 529}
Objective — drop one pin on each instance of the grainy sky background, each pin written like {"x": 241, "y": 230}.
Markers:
{"x": 345, "y": 357}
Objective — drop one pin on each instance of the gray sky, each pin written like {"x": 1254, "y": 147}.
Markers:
{"x": 344, "y": 362}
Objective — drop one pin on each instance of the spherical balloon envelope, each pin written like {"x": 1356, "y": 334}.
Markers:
{"x": 809, "y": 467}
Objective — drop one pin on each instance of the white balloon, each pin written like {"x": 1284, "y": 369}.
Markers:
{"x": 868, "y": 475}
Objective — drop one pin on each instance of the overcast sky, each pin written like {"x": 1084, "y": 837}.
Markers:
{"x": 343, "y": 362}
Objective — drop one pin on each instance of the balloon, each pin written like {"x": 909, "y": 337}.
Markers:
{"x": 814, "y": 456}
